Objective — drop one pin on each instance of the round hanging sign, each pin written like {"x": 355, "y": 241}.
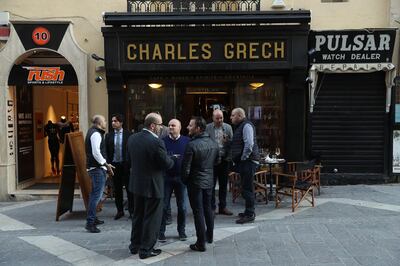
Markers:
{"x": 40, "y": 36}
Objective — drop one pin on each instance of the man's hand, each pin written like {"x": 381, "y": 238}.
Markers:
{"x": 110, "y": 168}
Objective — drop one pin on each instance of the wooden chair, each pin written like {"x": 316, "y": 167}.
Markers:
{"x": 296, "y": 181}
{"x": 260, "y": 184}
{"x": 235, "y": 185}
{"x": 317, "y": 174}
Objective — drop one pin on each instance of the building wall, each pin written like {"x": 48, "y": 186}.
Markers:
{"x": 87, "y": 20}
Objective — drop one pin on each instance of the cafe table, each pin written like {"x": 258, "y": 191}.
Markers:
{"x": 271, "y": 162}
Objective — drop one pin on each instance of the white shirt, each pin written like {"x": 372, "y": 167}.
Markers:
{"x": 95, "y": 140}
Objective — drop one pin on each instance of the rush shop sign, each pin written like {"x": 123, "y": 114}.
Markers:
{"x": 351, "y": 46}
{"x": 42, "y": 75}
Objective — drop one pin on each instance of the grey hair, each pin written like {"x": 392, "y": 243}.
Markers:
{"x": 152, "y": 118}
{"x": 240, "y": 112}
{"x": 96, "y": 119}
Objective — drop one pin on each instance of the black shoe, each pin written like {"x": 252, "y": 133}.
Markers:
{"x": 162, "y": 238}
{"x": 195, "y": 247}
{"x": 182, "y": 236}
{"x": 246, "y": 219}
{"x": 119, "y": 215}
{"x": 153, "y": 253}
{"x": 225, "y": 211}
{"x": 98, "y": 222}
{"x": 92, "y": 228}
{"x": 133, "y": 250}
{"x": 209, "y": 240}
{"x": 242, "y": 214}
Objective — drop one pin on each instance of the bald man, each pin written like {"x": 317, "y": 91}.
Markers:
{"x": 221, "y": 133}
{"x": 246, "y": 157}
{"x": 175, "y": 144}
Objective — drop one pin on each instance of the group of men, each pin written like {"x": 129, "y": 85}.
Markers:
{"x": 175, "y": 164}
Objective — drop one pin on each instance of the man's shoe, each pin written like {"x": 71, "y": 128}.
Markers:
{"x": 98, "y": 222}
{"x": 92, "y": 228}
{"x": 162, "y": 238}
{"x": 153, "y": 253}
{"x": 119, "y": 215}
{"x": 182, "y": 236}
{"x": 133, "y": 250}
{"x": 246, "y": 219}
{"x": 210, "y": 240}
{"x": 242, "y": 214}
{"x": 195, "y": 247}
{"x": 225, "y": 211}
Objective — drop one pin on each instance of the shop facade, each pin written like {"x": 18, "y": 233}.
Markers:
{"x": 185, "y": 65}
{"x": 351, "y": 81}
{"x": 43, "y": 77}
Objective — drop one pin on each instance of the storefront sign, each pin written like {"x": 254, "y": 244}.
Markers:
{"x": 353, "y": 46}
{"x": 42, "y": 75}
{"x": 10, "y": 129}
{"x": 26, "y": 162}
{"x": 218, "y": 51}
{"x": 396, "y": 151}
{"x": 41, "y": 35}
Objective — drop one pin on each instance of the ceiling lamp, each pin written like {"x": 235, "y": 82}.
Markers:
{"x": 155, "y": 85}
{"x": 278, "y": 4}
{"x": 256, "y": 85}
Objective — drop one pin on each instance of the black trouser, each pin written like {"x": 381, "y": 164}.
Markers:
{"x": 120, "y": 179}
{"x": 146, "y": 223}
{"x": 220, "y": 174}
{"x": 247, "y": 170}
{"x": 174, "y": 184}
{"x": 200, "y": 201}
{"x": 54, "y": 147}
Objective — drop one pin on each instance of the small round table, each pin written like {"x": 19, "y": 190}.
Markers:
{"x": 271, "y": 163}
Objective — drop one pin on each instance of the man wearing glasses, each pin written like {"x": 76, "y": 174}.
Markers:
{"x": 148, "y": 161}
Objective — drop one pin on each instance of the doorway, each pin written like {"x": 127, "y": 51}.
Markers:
{"x": 202, "y": 100}
{"x": 44, "y": 88}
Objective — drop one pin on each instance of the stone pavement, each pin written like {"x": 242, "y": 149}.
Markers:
{"x": 350, "y": 225}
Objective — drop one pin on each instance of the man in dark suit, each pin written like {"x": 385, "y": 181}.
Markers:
{"x": 148, "y": 161}
{"x": 116, "y": 142}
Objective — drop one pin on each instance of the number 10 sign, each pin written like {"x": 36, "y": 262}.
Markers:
{"x": 41, "y": 36}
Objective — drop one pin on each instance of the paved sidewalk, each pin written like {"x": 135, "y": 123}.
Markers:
{"x": 351, "y": 225}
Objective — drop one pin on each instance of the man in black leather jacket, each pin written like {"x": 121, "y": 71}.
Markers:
{"x": 201, "y": 154}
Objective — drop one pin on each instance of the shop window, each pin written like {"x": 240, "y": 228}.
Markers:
{"x": 263, "y": 103}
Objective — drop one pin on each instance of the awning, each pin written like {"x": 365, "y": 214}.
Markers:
{"x": 389, "y": 68}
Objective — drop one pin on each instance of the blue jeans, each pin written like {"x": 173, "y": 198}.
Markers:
{"x": 174, "y": 184}
{"x": 98, "y": 177}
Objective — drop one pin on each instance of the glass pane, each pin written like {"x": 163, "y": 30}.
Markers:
{"x": 263, "y": 103}
{"x": 144, "y": 99}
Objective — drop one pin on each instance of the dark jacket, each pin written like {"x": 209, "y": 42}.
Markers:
{"x": 110, "y": 145}
{"x": 90, "y": 160}
{"x": 148, "y": 161}
{"x": 200, "y": 156}
{"x": 237, "y": 144}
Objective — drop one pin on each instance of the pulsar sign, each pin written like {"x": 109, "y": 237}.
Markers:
{"x": 45, "y": 75}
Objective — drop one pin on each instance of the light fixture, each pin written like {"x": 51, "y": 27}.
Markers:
{"x": 155, "y": 86}
{"x": 278, "y": 4}
{"x": 256, "y": 85}
{"x": 97, "y": 58}
{"x": 98, "y": 79}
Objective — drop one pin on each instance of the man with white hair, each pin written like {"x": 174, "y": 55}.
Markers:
{"x": 97, "y": 167}
{"x": 245, "y": 156}
{"x": 148, "y": 161}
